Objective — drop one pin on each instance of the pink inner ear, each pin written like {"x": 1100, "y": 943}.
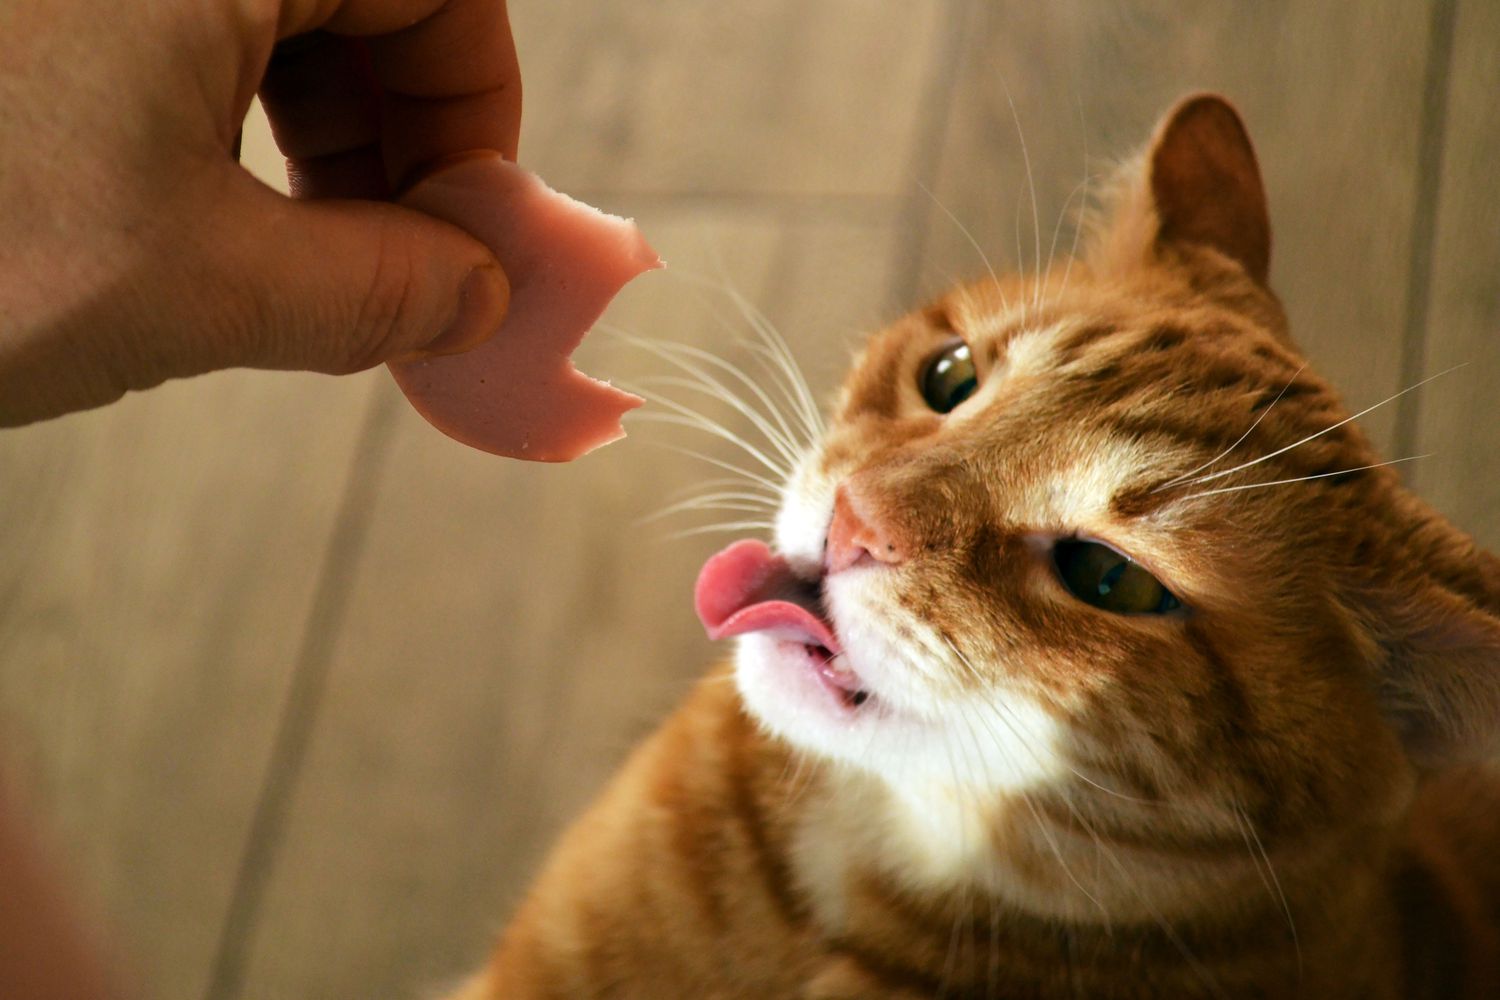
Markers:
{"x": 1206, "y": 184}
{"x": 518, "y": 394}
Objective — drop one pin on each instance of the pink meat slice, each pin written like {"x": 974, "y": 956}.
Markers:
{"x": 748, "y": 588}
{"x": 518, "y": 394}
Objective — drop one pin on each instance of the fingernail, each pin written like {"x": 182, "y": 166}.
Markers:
{"x": 482, "y": 301}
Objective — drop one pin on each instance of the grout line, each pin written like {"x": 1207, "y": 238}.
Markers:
{"x": 936, "y": 112}
{"x": 1432, "y": 132}
{"x": 299, "y": 714}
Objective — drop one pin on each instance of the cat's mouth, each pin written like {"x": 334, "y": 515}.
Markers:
{"x": 748, "y": 588}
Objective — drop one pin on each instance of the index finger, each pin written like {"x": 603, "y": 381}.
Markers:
{"x": 448, "y": 73}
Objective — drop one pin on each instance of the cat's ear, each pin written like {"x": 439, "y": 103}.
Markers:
{"x": 1198, "y": 184}
{"x": 1440, "y": 679}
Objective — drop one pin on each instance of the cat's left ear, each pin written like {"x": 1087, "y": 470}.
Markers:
{"x": 1198, "y": 185}
{"x": 1206, "y": 184}
{"x": 1440, "y": 682}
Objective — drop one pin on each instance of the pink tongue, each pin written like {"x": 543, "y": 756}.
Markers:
{"x": 743, "y": 589}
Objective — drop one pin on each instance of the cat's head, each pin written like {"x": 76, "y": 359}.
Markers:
{"x": 1102, "y": 530}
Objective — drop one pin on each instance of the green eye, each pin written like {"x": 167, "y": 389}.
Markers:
{"x": 949, "y": 378}
{"x": 1098, "y": 575}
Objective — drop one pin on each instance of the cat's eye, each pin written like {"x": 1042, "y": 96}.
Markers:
{"x": 1096, "y": 574}
{"x": 949, "y": 378}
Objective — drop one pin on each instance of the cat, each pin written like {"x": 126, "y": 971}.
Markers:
{"x": 1099, "y": 656}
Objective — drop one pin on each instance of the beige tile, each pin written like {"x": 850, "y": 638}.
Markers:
{"x": 157, "y": 559}
{"x": 1332, "y": 97}
{"x": 513, "y": 629}
{"x": 785, "y": 96}
{"x": 1457, "y": 425}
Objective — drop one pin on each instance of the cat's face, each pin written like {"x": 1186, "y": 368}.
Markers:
{"x": 1107, "y": 534}
{"x": 1025, "y": 585}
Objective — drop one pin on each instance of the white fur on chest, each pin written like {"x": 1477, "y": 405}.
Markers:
{"x": 924, "y": 836}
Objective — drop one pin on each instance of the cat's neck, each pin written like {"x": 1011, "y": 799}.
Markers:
{"x": 1036, "y": 879}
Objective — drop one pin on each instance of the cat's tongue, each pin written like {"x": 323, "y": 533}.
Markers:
{"x": 748, "y": 588}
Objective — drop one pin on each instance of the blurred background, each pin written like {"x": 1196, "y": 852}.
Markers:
{"x": 301, "y": 690}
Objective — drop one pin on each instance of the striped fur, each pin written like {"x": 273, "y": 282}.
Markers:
{"x": 1282, "y": 792}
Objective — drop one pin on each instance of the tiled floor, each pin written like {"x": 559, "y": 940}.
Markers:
{"x": 303, "y": 689}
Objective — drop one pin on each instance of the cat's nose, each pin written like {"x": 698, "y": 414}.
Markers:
{"x": 854, "y": 536}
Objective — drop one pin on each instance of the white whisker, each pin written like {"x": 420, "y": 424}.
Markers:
{"x": 687, "y": 417}
{"x": 787, "y": 379}
{"x": 1237, "y": 441}
{"x": 781, "y": 435}
{"x": 1062, "y": 214}
{"x": 1302, "y": 479}
{"x": 1036, "y": 223}
{"x": 1318, "y": 434}
{"x": 964, "y": 230}
{"x": 720, "y": 482}
{"x": 785, "y": 449}
{"x": 726, "y": 526}
{"x": 1108, "y": 854}
{"x": 1247, "y": 830}
{"x": 731, "y": 501}
{"x": 1083, "y": 211}
{"x": 790, "y": 380}
{"x": 720, "y": 463}
{"x": 786, "y": 362}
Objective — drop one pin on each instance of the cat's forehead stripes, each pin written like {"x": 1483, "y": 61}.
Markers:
{"x": 1085, "y": 408}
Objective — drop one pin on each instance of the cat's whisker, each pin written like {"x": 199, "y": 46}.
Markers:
{"x": 727, "y": 526}
{"x": 787, "y": 452}
{"x": 753, "y": 477}
{"x": 1083, "y": 210}
{"x": 1331, "y": 427}
{"x": 686, "y": 417}
{"x": 1237, "y": 441}
{"x": 786, "y": 362}
{"x": 1020, "y": 268}
{"x": 964, "y": 230}
{"x": 718, "y": 482}
{"x": 745, "y": 503}
{"x": 1273, "y": 886}
{"x": 788, "y": 437}
{"x": 1036, "y": 224}
{"x": 973, "y": 673}
{"x": 1017, "y": 737}
{"x": 790, "y": 385}
{"x": 1042, "y": 826}
{"x": 780, "y": 435}
{"x": 1109, "y": 854}
{"x": 788, "y": 375}
{"x": 1303, "y": 479}
{"x": 950, "y": 959}
{"x": 1062, "y": 214}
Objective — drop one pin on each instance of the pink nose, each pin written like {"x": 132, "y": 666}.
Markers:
{"x": 854, "y": 537}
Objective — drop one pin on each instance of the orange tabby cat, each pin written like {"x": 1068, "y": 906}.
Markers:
{"x": 1100, "y": 658}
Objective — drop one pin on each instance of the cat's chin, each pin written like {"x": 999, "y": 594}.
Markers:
{"x": 803, "y": 695}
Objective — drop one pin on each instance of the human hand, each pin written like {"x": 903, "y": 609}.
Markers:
{"x": 134, "y": 249}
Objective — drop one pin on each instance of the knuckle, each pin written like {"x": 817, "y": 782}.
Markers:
{"x": 384, "y": 311}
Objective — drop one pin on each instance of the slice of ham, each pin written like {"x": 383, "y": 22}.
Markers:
{"x": 748, "y": 588}
{"x": 518, "y": 394}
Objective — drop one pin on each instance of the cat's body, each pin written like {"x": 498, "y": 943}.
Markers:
{"x": 984, "y": 755}
{"x": 715, "y": 866}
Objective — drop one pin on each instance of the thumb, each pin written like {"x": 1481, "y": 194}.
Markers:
{"x": 339, "y": 286}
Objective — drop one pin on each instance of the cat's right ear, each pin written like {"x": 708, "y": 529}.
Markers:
{"x": 1197, "y": 185}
